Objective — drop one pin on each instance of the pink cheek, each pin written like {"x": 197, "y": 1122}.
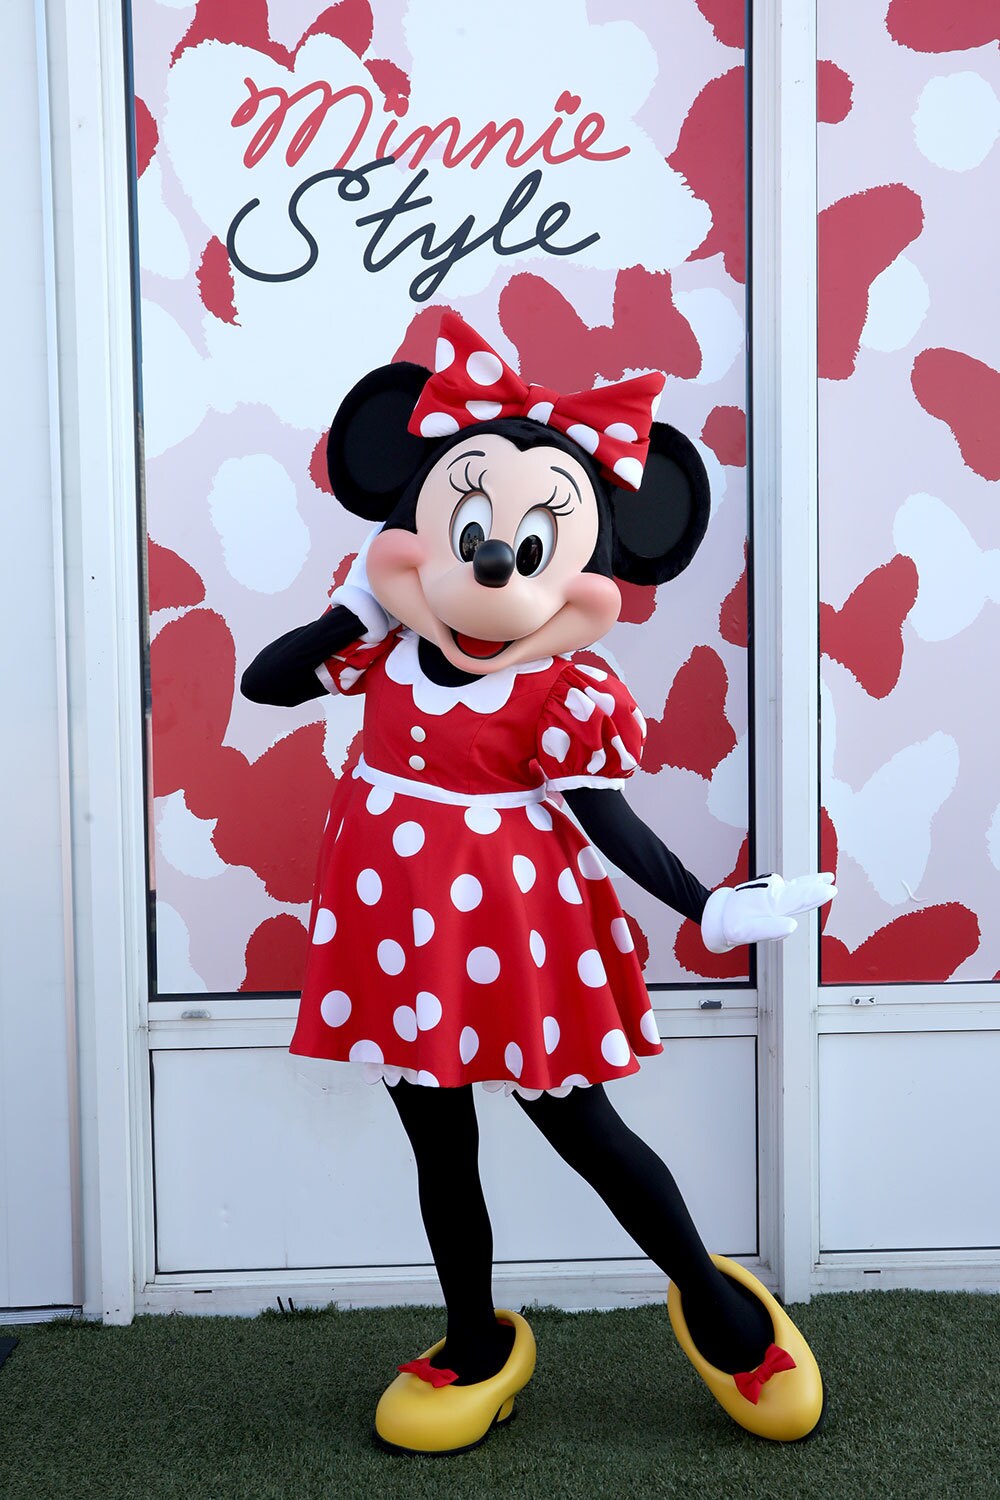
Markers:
{"x": 596, "y": 598}
{"x": 393, "y": 553}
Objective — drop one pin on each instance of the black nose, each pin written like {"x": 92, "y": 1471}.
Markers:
{"x": 493, "y": 563}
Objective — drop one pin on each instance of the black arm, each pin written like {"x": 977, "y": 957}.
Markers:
{"x": 284, "y": 673}
{"x": 618, "y": 832}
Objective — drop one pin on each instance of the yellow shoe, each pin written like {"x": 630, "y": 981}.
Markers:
{"x": 783, "y": 1398}
{"x": 415, "y": 1415}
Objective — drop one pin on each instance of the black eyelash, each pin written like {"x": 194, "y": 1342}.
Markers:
{"x": 470, "y": 487}
{"x": 564, "y": 508}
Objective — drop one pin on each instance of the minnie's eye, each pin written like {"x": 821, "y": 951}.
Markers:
{"x": 535, "y": 541}
{"x": 470, "y": 525}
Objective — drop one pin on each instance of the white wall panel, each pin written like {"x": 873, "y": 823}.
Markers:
{"x": 909, "y": 1145}
{"x": 36, "y": 1244}
{"x": 264, "y": 1160}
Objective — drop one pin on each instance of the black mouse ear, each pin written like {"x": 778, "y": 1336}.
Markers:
{"x": 370, "y": 456}
{"x": 660, "y": 526}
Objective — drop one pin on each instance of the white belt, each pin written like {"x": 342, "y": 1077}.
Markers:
{"x": 408, "y": 787}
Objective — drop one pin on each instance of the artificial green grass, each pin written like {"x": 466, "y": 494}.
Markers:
{"x": 280, "y": 1408}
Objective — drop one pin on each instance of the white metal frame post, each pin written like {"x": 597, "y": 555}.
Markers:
{"x": 786, "y": 612}
{"x": 95, "y": 350}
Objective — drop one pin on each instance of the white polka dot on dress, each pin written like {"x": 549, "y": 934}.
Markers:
{"x": 649, "y": 1028}
{"x": 468, "y": 1044}
{"x": 590, "y": 968}
{"x": 513, "y": 1060}
{"x": 604, "y": 701}
{"x": 335, "y": 1007}
{"x": 579, "y": 705}
{"x": 408, "y": 839}
{"x": 595, "y": 672}
{"x": 429, "y": 1010}
{"x": 621, "y": 935}
{"x": 627, "y": 759}
{"x": 391, "y": 958}
{"x": 482, "y": 819}
{"x": 596, "y": 762}
{"x": 423, "y": 927}
{"x": 539, "y": 816}
{"x": 550, "y": 1033}
{"x": 537, "y": 945}
{"x": 482, "y": 966}
{"x": 568, "y": 888}
{"x": 404, "y": 1019}
{"x": 589, "y": 864}
{"x": 326, "y": 925}
{"x": 366, "y": 1052}
{"x": 379, "y": 800}
{"x": 484, "y": 368}
{"x": 426, "y": 1080}
{"x": 524, "y": 872}
{"x": 615, "y": 1048}
{"x": 555, "y": 742}
{"x": 466, "y": 893}
{"x": 370, "y": 887}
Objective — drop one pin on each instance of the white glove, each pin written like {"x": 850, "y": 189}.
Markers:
{"x": 355, "y": 594}
{"x": 764, "y": 908}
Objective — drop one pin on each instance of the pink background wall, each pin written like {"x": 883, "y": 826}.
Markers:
{"x": 909, "y": 407}
{"x": 241, "y": 377}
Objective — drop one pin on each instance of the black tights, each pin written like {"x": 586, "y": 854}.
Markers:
{"x": 730, "y": 1327}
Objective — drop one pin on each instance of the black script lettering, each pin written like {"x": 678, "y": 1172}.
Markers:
{"x": 458, "y": 244}
{"x": 352, "y": 186}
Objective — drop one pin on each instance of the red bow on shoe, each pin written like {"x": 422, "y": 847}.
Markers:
{"x": 471, "y": 383}
{"x": 751, "y": 1383}
{"x": 424, "y": 1370}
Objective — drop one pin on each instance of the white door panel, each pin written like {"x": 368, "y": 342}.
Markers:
{"x": 909, "y": 1150}
{"x": 264, "y": 1160}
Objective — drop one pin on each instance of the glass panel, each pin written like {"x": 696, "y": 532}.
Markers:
{"x": 909, "y": 349}
{"x": 632, "y": 116}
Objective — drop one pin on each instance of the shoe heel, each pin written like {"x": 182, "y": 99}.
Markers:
{"x": 506, "y": 1411}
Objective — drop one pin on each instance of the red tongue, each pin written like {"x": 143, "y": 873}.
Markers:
{"x": 473, "y": 647}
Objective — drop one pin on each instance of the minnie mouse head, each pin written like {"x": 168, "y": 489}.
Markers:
{"x": 507, "y": 510}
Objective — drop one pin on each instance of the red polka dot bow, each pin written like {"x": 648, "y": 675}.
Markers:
{"x": 471, "y": 383}
{"x": 753, "y": 1382}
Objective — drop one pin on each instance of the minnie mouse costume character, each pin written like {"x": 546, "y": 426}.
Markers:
{"x": 463, "y": 930}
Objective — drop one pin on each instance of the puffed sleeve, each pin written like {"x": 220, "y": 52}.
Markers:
{"x": 590, "y": 733}
{"x": 345, "y": 670}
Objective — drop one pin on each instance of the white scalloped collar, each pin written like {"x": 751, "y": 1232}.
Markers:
{"x": 485, "y": 695}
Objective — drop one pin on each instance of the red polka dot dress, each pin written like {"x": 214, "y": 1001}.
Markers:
{"x": 463, "y": 929}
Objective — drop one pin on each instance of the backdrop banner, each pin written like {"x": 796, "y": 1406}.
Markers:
{"x": 315, "y": 186}
{"x": 909, "y": 364}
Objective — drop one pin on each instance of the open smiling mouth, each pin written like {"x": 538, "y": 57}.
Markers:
{"x": 479, "y": 650}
